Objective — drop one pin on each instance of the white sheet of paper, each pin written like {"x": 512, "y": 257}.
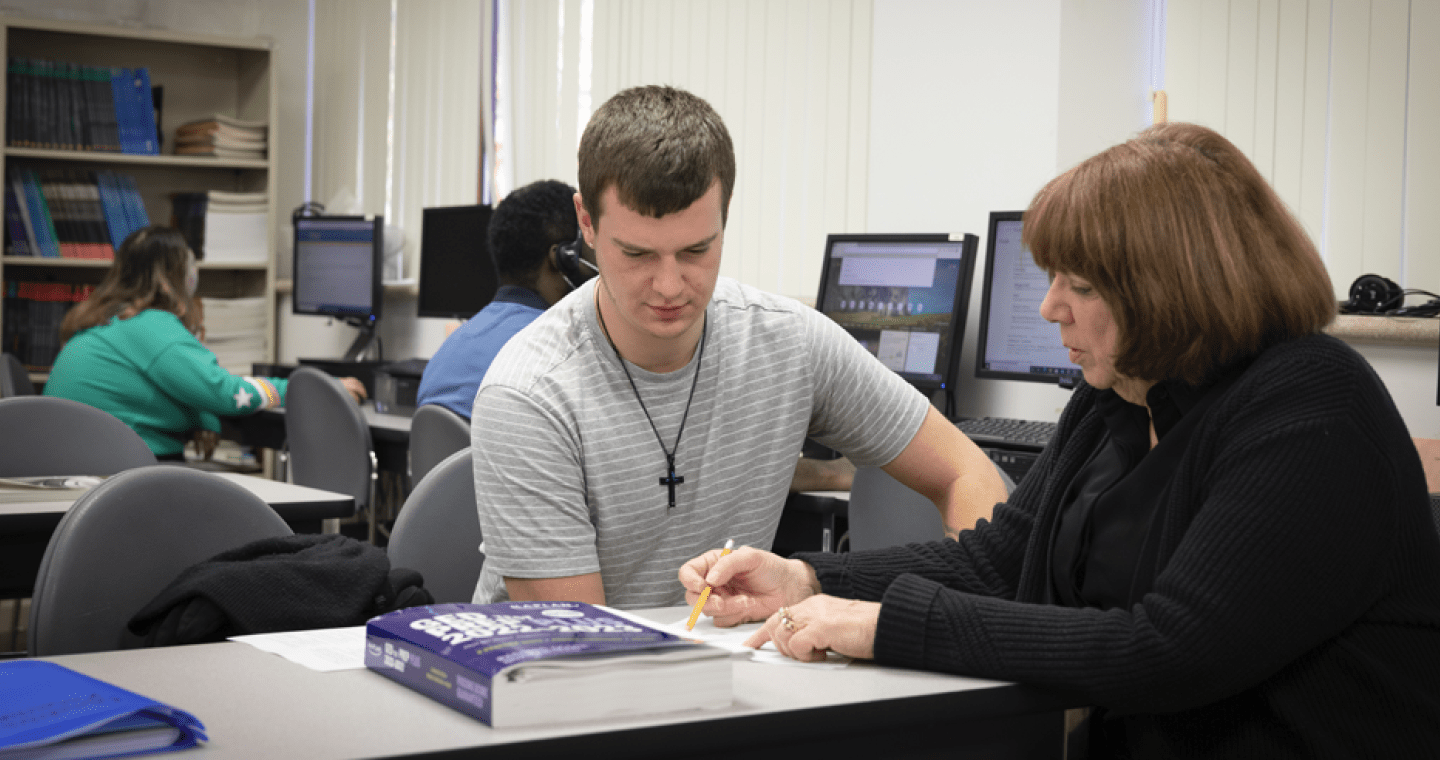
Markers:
{"x": 734, "y": 638}
{"x": 322, "y": 649}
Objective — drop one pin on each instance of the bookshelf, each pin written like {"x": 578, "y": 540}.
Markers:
{"x": 200, "y": 75}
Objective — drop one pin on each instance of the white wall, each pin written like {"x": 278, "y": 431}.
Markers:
{"x": 975, "y": 106}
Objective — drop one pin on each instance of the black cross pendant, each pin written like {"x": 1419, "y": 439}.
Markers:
{"x": 670, "y": 481}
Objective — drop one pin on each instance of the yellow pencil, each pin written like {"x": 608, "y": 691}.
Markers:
{"x": 699, "y": 603}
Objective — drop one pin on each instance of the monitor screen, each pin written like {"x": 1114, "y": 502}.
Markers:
{"x": 1015, "y": 342}
{"x": 904, "y": 297}
{"x": 457, "y": 274}
{"x": 337, "y": 267}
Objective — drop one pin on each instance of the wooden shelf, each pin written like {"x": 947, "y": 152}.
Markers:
{"x": 134, "y": 159}
{"x": 202, "y": 75}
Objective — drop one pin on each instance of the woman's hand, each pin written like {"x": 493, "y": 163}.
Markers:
{"x": 356, "y": 388}
{"x": 806, "y": 630}
{"x": 746, "y": 585}
{"x": 205, "y": 442}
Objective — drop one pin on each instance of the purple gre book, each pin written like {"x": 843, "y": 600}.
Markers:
{"x": 526, "y": 663}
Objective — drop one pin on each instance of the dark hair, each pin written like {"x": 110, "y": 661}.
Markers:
{"x": 661, "y": 148}
{"x": 526, "y": 224}
{"x": 1197, "y": 257}
{"x": 148, "y": 273}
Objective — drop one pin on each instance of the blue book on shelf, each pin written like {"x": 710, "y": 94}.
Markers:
{"x": 119, "y": 88}
{"x": 17, "y": 219}
{"x": 40, "y": 220}
{"x": 134, "y": 204}
{"x": 134, "y": 110}
{"x": 148, "y": 138}
{"x": 48, "y": 710}
{"x": 115, "y": 225}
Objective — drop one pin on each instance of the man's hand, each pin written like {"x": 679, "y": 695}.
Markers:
{"x": 356, "y": 388}
{"x": 746, "y": 585}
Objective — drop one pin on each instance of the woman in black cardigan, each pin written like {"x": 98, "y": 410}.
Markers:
{"x": 1227, "y": 546}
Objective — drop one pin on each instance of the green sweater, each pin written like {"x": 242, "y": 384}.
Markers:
{"x": 155, "y": 376}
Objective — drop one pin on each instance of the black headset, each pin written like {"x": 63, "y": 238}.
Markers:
{"x": 1373, "y": 294}
{"x": 569, "y": 261}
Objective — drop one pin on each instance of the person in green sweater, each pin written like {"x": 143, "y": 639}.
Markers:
{"x": 132, "y": 349}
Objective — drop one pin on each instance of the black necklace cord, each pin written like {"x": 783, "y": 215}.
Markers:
{"x": 671, "y": 481}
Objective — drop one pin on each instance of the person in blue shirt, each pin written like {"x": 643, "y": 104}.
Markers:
{"x": 534, "y": 239}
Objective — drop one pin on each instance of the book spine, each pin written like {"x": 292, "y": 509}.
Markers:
{"x": 115, "y": 217}
{"x": 14, "y": 226}
{"x": 134, "y": 203}
{"x": 52, "y": 191}
{"x": 143, "y": 103}
{"x": 119, "y": 87}
{"x": 432, "y": 675}
{"x": 97, "y": 236}
{"x": 40, "y": 215}
{"x": 14, "y": 108}
{"x": 17, "y": 188}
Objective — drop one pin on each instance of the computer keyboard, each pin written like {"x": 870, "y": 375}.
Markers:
{"x": 1003, "y": 431}
{"x": 1014, "y": 463}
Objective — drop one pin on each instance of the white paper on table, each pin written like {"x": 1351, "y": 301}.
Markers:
{"x": 734, "y": 638}
{"x": 322, "y": 649}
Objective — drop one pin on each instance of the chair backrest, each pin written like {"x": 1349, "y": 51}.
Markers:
{"x": 328, "y": 437}
{"x": 885, "y": 512}
{"x": 435, "y": 433}
{"x": 14, "y": 378}
{"x": 123, "y": 542}
{"x": 438, "y": 531}
{"x": 43, "y": 435}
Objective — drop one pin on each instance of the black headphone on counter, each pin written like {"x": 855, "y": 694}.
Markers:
{"x": 1373, "y": 294}
{"x": 569, "y": 261}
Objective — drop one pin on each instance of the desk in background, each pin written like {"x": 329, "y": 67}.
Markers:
{"x": 25, "y": 527}
{"x": 255, "y": 704}
{"x": 389, "y": 433}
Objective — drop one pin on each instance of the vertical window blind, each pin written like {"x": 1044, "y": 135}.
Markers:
{"x": 1331, "y": 99}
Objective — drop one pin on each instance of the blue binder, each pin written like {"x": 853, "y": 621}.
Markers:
{"x": 48, "y": 706}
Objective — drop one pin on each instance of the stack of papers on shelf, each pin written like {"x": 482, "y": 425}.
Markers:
{"x": 528, "y": 663}
{"x": 237, "y": 227}
{"x": 224, "y": 137}
{"x": 51, "y": 711}
{"x": 235, "y": 331}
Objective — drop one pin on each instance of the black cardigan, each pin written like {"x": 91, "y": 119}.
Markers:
{"x": 1296, "y": 607}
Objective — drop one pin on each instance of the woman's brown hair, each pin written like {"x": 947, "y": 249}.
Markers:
{"x": 1198, "y": 259}
{"x": 149, "y": 272}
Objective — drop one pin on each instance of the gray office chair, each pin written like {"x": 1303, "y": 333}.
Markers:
{"x": 329, "y": 440}
{"x": 124, "y": 541}
{"x": 14, "y": 378}
{"x": 435, "y": 433}
{"x": 438, "y": 531}
{"x": 884, "y": 512}
{"x": 56, "y": 436}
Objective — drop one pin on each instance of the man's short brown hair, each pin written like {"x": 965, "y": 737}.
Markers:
{"x": 661, "y": 148}
{"x": 1198, "y": 259}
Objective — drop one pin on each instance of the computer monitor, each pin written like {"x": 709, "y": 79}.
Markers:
{"x": 1015, "y": 343}
{"x": 337, "y": 271}
{"x": 457, "y": 273}
{"x": 904, "y": 297}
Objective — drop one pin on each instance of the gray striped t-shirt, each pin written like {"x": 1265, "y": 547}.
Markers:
{"x": 567, "y": 467}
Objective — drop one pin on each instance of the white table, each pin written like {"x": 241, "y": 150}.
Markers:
{"x": 256, "y": 705}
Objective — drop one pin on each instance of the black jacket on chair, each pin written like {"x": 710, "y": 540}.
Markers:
{"x": 277, "y": 584}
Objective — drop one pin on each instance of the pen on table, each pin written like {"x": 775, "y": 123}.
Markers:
{"x": 699, "y": 603}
